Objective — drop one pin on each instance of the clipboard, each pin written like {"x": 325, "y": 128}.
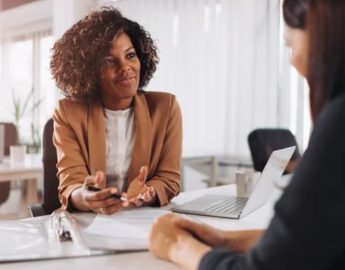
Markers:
{"x": 55, "y": 238}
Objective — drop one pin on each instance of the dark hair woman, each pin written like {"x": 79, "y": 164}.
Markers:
{"x": 307, "y": 230}
{"x": 109, "y": 132}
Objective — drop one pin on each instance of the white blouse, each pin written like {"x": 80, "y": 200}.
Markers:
{"x": 119, "y": 133}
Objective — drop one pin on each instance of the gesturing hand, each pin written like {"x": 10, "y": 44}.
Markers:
{"x": 139, "y": 193}
{"x": 100, "y": 201}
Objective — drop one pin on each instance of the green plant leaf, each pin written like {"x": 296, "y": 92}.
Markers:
{"x": 26, "y": 102}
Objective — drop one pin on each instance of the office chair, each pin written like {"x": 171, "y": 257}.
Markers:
{"x": 11, "y": 138}
{"x": 262, "y": 142}
{"x": 50, "y": 180}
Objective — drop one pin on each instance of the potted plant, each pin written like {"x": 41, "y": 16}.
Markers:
{"x": 22, "y": 108}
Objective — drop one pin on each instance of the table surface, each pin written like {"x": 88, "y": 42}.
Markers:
{"x": 31, "y": 167}
{"x": 145, "y": 260}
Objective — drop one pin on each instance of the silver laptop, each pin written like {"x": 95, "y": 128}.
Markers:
{"x": 236, "y": 207}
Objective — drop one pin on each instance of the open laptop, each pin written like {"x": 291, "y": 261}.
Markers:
{"x": 236, "y": 207}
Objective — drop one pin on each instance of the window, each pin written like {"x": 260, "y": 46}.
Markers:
{"x": 26, "y": 85}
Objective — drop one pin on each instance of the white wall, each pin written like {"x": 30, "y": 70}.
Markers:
{"x": 221, "y": 58}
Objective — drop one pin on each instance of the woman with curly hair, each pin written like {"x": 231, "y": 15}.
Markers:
{"x": 107, "y": 127}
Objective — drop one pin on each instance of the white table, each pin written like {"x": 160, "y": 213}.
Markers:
{"x": 145, "y": 260}
{"x": 29, "y": 170}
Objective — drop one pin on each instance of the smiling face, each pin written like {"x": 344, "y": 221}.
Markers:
{"x": 120, "y": 74}
{"x": 297, "y": 41}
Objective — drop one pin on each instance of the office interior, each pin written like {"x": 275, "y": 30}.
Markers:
{"x": 225, "y": 60}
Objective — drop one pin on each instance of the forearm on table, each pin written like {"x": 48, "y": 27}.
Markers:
{"x": 241, "y": 241}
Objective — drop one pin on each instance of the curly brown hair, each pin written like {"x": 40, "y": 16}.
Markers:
{"x": 77, "y": 56}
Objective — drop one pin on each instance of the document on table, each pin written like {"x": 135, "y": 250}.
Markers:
{"x": 123, "y": 231}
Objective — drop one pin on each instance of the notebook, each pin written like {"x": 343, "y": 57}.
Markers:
{"x": 236, "y": 207}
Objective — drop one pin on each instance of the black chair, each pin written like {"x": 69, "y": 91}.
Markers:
{"x": 262, "y": 142}
{"x": 50, "y": 180}
{"x": 11, "y": 138}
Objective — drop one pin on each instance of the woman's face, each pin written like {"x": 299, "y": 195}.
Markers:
{"x": 297, "y": 41}
{"x": 120, "y": 75}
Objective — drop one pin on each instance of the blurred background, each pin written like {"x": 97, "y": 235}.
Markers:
{"x": 225, "y": 60}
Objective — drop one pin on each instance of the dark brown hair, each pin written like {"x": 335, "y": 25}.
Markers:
{"x": 77, "y": 57}
{"x": 295, "y": 13}
{"x": 325, "y": 20}
{"x": 326, "y": 71}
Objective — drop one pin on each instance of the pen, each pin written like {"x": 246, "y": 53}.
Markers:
{"x": 114, "y": 195}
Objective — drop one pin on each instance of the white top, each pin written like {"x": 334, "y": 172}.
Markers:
{"x": 119, "y": 133}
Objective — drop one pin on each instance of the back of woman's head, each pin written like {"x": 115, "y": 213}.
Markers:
{"x": 324, "y": 21}
{"x": 326, "y": 71}
{"x": 295, "y": 13}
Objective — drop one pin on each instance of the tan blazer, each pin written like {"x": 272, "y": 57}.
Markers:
{"x": 79, "y": 137}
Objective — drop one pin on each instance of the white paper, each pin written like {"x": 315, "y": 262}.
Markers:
{"x": 125, "y": 230}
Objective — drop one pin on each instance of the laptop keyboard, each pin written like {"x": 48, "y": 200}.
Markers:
{"x": 231, "y": 205}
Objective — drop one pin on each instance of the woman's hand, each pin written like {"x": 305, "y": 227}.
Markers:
{"x": 98, "y": 202}
{"x": 170, "y": 242}
{"x": 139, "y": 194}
{"x": 207, "y": 234}
{"x": 238, "y": 241}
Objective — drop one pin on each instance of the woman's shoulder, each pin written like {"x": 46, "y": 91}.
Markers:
{"x": 156, "y": 95}
{"x": 158, "y": 98}
{"x": 69, "y": 105}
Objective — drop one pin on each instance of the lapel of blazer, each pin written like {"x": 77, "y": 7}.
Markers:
{"x": 142, "y": 148}
{"x": 96, "y": 138}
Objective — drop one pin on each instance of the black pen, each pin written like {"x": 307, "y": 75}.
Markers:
{"x": 113, "y": 195}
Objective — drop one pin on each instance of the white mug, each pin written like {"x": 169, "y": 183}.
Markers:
{"x": 17, "y": 153}
{"x": 2, "y": 142}
{"x": 245, "y": 182}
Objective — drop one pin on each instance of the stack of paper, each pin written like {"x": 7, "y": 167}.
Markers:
{"x": 123, "y": 231}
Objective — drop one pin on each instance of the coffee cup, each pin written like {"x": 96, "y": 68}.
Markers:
{"x": 245, "y": 182}
{"x": 17, "y": 153}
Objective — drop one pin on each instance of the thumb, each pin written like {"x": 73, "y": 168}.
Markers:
{"x": 186, "y": 224}
{"x": 142, "y": 174}
{"x": 99, "y": 178}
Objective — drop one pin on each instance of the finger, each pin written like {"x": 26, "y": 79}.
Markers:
{"x": 124, "y": 195}
{"x": 135, "y": 202}
{"x": 152, "y": 192}
{"x": 191, "y": 226}
{"x": 142, "y": 174}
{"x": 100, "y": 178}
{"x": 185, "y": 223}
{"x": 94, "y": 180}
{"x": 126, "y": 204}
{"x": 97, "y": 210}
{"x": 100, "y": 195}
{"x": 112, "y": 209}
{"x": 89, "y": 180}
{"x": 105, "y": 203}
{"x": 166, "y": 218}
{"x": 146, "y": 196}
